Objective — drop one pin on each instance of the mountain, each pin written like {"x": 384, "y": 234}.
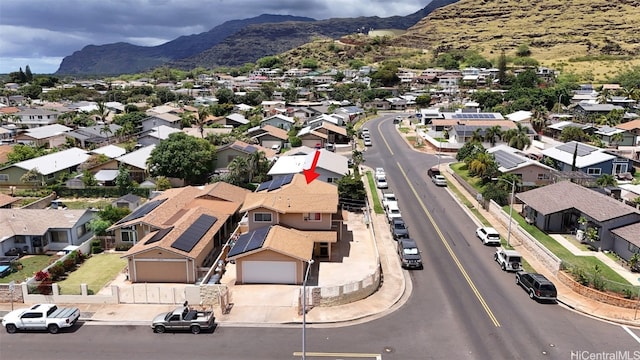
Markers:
{"x": 552, "y": 29}
{"x": 232, "y": 43}
{"x": 259, "y": 40}
{"x": 125, "y": 58}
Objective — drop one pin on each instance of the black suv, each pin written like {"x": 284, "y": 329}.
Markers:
{"x": 537, "y": 285}
{"x": 409, "y": 254}
{"x": 399, "y": 229}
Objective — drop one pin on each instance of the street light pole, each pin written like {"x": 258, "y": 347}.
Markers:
{"x": 513, "y": 193}
{"x": 304, "y": 310}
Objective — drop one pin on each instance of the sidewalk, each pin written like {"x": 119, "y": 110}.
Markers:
{"x": 566, "y": 295}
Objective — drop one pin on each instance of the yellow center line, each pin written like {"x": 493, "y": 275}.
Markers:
{"x": 451, "y": 253}
{"x": 384, "y": 139}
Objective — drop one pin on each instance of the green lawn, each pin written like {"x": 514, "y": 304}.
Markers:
{"x": 377, "y": 205}
{"x": 96, "y": 272}
{"x": 80, "y": 205}
{"x": 461, "y": 170}
{"x": 30, "y": 265}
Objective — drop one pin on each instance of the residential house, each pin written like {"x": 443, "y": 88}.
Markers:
{"x": 46, "y": 168}
{"x": 333, "y": 119}
{"x": 331, "y": 167}
{"x": 334, "y": 134}
{"x": 36, "y": 231}
{"x": 135, "y": 162}
{"x": 589, "y": 159}
{"x": 269, "y": 107}
{"x": 521, "y": 116}
{"x": 93, "y": 135}
{"x": 156, "y": 120}
{"x": 584, "y": 109}
{"x": 268, "y": 136}
{"x": 195, "y": 132}
{"x": 110, "y": 151}
{"x": 226, "y": 153}
{"x": 7, "y": 201}
{"x": 312, "y": 138}
{"x": 555, "y": 130}
{"x": 129, "y": 201}
{"x": 279, "y": 121}
{"x": 512, "y": 161}
{"x": 349, "y": 113}
{"x": 48, "y": 136}
{"x": 632, "y": 127}
{"x": 607, "y": 135}
{"x": 157, "y": 134}
{"x": 176, "y": 236}
{"x": 289, "y": 222}
{"x": 34, "y": 117}
{"x": 236, "y": 120}
{"x": 557, "y": 208}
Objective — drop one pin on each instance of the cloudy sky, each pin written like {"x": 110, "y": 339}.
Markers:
{"x": 39, "y": 33}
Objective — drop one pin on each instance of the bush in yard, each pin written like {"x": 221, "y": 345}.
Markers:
{"x": 44, "y": 287}
{"x": 69, "y": 263}
{"x": 57, "y": 270}
{"x": 96, "y": 247}
{"x": 80, "y": 257}
{"x": 41, "y": 276}
{"x": 123, "y": 247}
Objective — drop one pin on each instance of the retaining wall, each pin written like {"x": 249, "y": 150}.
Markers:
{"x": 595, "y": 294}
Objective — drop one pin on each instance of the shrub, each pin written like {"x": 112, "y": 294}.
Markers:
{"x": 96, "y": 247}
{"x": 57, "y": 270}
{"x": 123, "y": 247}
{"x": 41, "y": 276}
{"x": 44, "y": 287}
{"x": 69, "y": 263}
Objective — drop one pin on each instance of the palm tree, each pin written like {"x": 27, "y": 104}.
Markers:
{"x": 539, "y": 119}
{"x": 256, "y": 164}
{"x": 238, "y": 168}
{"x": 106, "y": 129}
{"x": 517, "y": 138}
{"x": 492, "y": 133}
{"x": 603, "y": 96}
{"x": 102, "y": 112}
{"x": 606, "y": 180}
{"x": 617, "y": 138}
{"x": 476, "y": 137}
{"x": 481, "y": 164}
{"x": 201, "y": 119}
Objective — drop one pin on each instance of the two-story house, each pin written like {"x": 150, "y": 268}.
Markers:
{"x": 588, "y": 159}
{"x": 289, "y": 222}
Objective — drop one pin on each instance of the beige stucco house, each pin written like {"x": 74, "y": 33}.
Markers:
{"x": 179, "y": 232}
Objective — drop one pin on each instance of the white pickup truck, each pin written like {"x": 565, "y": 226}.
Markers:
{"x": 41, "y": 317}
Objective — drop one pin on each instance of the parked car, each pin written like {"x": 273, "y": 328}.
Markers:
{"x": 41, "y": 317}
{"x": 388, "y": 198}
{"x": 399, "y": 229}
{"x": 367, "y": 141}
{"x": 537, "y": 285}
{"x": 488, "y": 235}
{"x": 183, "y": 318}
{"x": 409, "y": 254}
{"x": 509, "y": 260}
{"x": 433, "y": 171}
{"x": 364, "y": 132}
{"x": 277, "y": 148}
{"x": 381, "y": 182}
{"x": 393, "y": 211}
{"x": 380, "y": 172}
{"x": 330, "y": 147}
{"x": 397, "y": 119}
{"x": 439, "y": 180}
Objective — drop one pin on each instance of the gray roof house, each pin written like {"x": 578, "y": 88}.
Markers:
{"x": 331, "y": 166}
{"x": 279, "y": 121}
{"x": 590, "y": 159}
{"x": 557, "y": 207}
{"x": 50, "y": 136}
{"x": 41, "y": 230}
{"x": 136, "y": 162}
{"x": 93, "y": 135}
{"x": 513, "y": 161}
{"x": 34, "y": 117}
{"x": 49, "y": 167}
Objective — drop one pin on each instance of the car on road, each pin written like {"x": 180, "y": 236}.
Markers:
{"x": 439, "y": 180}
{"x": 399, "y": 229}
{"x": 380, "y": 171}
{"x": 388, "y": 198}
{"x": 537, "y": 286}
{"x": 367, "y": 141}
{"x": 393, "y": 211}
{"x": 509, "y": 260}
{"x": 488, "y": 235}
{"x": 409, "y": 254}
{"x": 433, "y": 171}
{"x": 381, "y": 182}
{"x": 364, "y": 132}
{"x": 183, "y": 318}
{"x": 48, "y": 317}
{"x": 397, "y": 119}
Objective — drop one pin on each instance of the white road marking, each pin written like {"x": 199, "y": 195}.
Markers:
{"x": 634, "y": 336}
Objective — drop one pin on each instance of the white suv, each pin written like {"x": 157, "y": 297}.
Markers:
{"x": 393, "y": 211}
{"x": 488, "y": 235}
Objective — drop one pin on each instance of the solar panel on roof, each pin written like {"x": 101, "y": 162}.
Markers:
{"x": 194, "y": 233}
{"x": 276, "y": 184}
{"x": 507, "y": 160}
{"x": 158, "y": 235}
{"x": 287, "y": 179}
{"x": 582, "y": 148}
{"x": 249, "y": 241}
{"x": 264, "y": 185}
{"x": 141, "y": 211}
{"x": 250, "y": 149}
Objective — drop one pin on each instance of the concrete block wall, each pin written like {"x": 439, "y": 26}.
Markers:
{"x": 595, "y": 294}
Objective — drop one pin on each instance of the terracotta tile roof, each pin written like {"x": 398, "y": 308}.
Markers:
{"x": 565, "y": 195}
{"x": 182, "y": 221}
{"x": 296, "y": 197}
{"x": 629, "y": 233}
{"x": 631, "y": 125}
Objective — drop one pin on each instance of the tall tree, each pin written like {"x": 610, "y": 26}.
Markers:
{"x": 476, "y": 137}
{"x": 539, "y": 119}
{"x": 492, "y": 133}
{"x": 502, "y": 68}
{"x": 28, "y": 75}
{"x": 183, "y": 156}
{"x": 517, "y": 138}
{"x": 201, "y": 119}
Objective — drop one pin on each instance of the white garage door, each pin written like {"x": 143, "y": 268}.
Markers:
{"x": 268, "y": 272}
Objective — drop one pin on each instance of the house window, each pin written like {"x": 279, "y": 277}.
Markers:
{"x": 59, "y": 237}
{"x": 594, "y": 171}
{"x": 19, "y": 239}
{"x": 633, "y": 248}
{"x": 129, "y": 234}
{"x": 543, "y": 176}
{"x": 4, "y": 177}
{"x": 312, "y": 217}
{"x": 81, "y": 230}
{"x": 620, "y": 168}
{"x": 332, "y": 180}
{"x": 262, "y": 217}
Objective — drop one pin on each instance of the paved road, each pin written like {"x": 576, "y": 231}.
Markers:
{"x": 462, "y": 305}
